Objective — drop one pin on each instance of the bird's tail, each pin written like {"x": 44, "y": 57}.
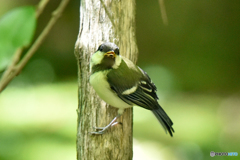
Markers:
{"x": 163, "y": 118}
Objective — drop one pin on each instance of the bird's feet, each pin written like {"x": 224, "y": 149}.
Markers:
{"x": 102, "y": 130}
{"x": 99, "y": 130}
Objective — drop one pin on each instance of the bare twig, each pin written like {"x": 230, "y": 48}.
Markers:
{"x": 163, "y": 12}
{"x": 18, "y": 67}
{"x": 14, "y": 61}
{"x": 16, "y": 57}
{"x": 56, "y": 14}
{"x": 40, "y": 7}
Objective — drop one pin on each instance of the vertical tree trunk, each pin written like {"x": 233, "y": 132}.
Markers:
{"x": 102, "y": 21}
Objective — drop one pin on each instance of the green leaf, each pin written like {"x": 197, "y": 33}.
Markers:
{"x": 16, "y": 30}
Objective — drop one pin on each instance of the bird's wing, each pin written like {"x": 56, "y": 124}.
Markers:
{"x": 135, "y": 89}
{"x": 138, "y": 89}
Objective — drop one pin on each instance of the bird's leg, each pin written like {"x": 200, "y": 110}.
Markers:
{"x": 103, "y": 129}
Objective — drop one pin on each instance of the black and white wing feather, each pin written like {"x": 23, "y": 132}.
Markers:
{"x": 138, "y": 89}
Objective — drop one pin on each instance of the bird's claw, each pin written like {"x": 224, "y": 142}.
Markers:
{"x": 103, "y": 129}
{"x": 98, "y": 128}
{"x": 99, "y": 132}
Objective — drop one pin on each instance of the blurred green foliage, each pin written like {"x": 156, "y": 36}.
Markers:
{"x": 36, "y": 124}
{"x": 194, "y": 62}
{"x": 16, "y": 29}
{"x": 200, "y": 46}
{"x": 40, "y": 123}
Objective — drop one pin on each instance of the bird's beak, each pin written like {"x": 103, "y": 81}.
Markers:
{"x": 110, "y": 54}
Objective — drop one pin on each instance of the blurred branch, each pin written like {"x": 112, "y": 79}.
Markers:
{"x": 41, "y": 5}
{"x": 163, "y": 12}
{"x": 15, "y": 68}
{"x": 16, "y": 57}
{"x": 14, "y": 61}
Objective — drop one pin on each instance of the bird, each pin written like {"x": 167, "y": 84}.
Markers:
{"x": 122, "y": 84}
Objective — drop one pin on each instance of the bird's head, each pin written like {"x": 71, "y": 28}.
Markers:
{"x": 106, "y": 57}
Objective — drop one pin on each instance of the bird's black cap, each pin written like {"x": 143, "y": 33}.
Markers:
{"x": 108, "y": 46}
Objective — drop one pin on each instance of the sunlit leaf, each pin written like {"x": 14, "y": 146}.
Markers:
{"x": 16, "y": 30}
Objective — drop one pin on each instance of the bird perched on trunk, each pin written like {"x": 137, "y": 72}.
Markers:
{"x": 122, "y": 84}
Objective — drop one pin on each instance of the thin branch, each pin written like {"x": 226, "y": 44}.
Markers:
{"x": 56, "y": 14}
{"x": 163, "y": 12}
{"x": 40, "y": 7}
{"x": 17, "y": 69}
{"x": 16, "y": 57}
{"x": 14, "y": 61}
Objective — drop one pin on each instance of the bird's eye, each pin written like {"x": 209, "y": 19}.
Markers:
{"x": 116, "y": 51}
{"x": 100, "y": 48}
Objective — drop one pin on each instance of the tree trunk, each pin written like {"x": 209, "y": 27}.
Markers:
{"x": 103, "y": 21}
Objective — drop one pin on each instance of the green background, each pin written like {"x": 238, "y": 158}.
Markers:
{"x": 194, "y": 61}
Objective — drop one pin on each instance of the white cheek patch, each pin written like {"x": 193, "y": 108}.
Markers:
{"x": 96, "y": 58}
{"x": 118, "y": 61}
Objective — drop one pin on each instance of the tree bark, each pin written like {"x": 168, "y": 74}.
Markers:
{"x": 103, "y": 21}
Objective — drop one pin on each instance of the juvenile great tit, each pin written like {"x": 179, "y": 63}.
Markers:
{"x": 122, "y": 84}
